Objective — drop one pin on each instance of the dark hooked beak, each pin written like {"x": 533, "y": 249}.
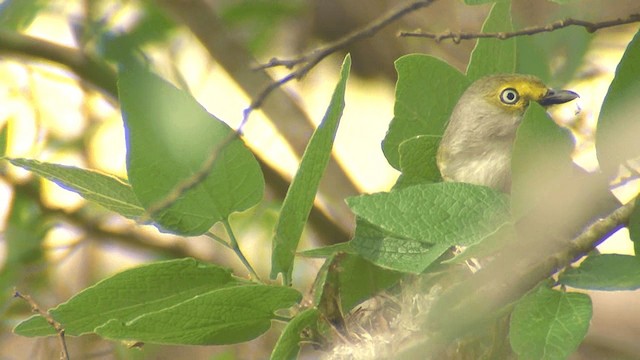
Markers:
{"x": 554, "y": 97}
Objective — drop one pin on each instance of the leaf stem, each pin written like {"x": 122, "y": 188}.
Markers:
{"x": 281, "y": 318}
{"x": 218, "y": 239}
{"x": 234, "y": 246}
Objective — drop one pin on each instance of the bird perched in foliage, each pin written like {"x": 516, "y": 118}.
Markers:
{"x": 478, "y": 140}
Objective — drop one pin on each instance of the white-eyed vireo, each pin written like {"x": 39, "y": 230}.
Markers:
{"x": 478, "y": 140}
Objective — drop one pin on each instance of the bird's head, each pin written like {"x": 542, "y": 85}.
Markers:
{"x": 514, "y": 92}
{"x": 477, "y": 142}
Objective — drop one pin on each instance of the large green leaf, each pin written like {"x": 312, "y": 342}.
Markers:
{"x": 634, "y": 227}
{"x": 441, "y": 213}
{"x": 492, "y": 56}
{"x": 418, "y": 160}
{"x": 538, "y": 55}
{"x": 617, "y": 135}
{"x": 541, "y": 160}
{"x": 131, "y": 294}
{"x": 604, "y": 272}
{"x": 549, "y": 324}
{"x": 426, "y": 92}
{"x": 354, "y": 278}
{"x": 555, "y": 196}
{"x": 222, "y": 316}
{"x": 17, "y": 15}
{"x": 299, "y": 199}
{"x": 23, "y": 235}
{"x": 288, "y": 345}
{"x": 105, "y": 190}
{"x": 392, "y": 251}
{"x": 169, "y": 138}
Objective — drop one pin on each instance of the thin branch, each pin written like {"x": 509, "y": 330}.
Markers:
{"x": 590, "y": 27}
{"x": 310, "y": 60}
{"x": 35, "y": 308}
{"x": 596, "y": 233}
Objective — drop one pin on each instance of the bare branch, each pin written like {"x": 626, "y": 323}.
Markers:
{"x": 457, "y": 37}
{"x": 64, "y": 353}
{"x": 310, "y": 60}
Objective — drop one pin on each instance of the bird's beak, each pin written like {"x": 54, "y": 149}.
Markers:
{"x": 554, "y": 97}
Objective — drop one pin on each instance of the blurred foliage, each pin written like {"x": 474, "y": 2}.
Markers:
{"x": 407, "y": 230}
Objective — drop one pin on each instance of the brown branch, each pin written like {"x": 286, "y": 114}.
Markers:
{"x": 310, "y": 60}
{"x": 64, "y": 353}
{"x": 590, "y": 27}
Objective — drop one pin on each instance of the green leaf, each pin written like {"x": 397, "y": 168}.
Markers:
{"x": 301, "y": 194}
{"x": 604, "y": 272}
{"x": 3, "y": 139}
{"x": 441, "y": 213}
{"x": 616, "y": 138}
{"x": 391, "y": 251}
{"x": 22, "y": 238}
{"x": 418, "y": 161}
{"x": 634, "y": 227}
{"x": 326, "y": 251}
{"x": 549, "y": 324}
{"x": 491, "y": 56}
{"x": 17, "y": 15}
{"x": 541, "y": 159}
{"x": 152, "y": 25}
{"x": 288, "y": 345}
{"x": 169, "y": 139}
{"x": 105, "y": 190}
{"x": 426, "y": 92}
{"x": 488, "y": 247}
{"x": 359, "y": 280}
{"x": 539, "y": 55}
{"x": 131, "y": 294}
{"x": 227, "y": 315}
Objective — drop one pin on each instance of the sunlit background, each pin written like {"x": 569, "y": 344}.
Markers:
{"x": 51, "y": 115}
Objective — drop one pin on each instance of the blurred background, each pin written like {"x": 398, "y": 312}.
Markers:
{"x": 58, "y": 103}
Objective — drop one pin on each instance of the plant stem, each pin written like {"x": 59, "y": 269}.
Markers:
{"x": 218, "y": 239}
{"x": 234, "y": 246}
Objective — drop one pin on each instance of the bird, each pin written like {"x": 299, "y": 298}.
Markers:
{"x": 478, "y": 139}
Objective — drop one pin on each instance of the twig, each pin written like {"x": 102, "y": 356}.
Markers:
{"x": 590, "y": 27}
{"x": 310, "y": 60}
{"x": 597, "y": 233}
{"x": 64, "y": 353}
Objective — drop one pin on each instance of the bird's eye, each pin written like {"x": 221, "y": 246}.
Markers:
{"x": 509, "y": 96}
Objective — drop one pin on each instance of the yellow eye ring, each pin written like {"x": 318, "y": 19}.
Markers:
{"x": 509, "y": 96}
